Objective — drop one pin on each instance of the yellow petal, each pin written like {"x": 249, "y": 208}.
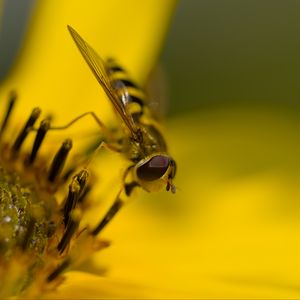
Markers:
{"x": 232, "y": 229}
{"x": 50, "y": 72}
{"x": 79, "y": 285}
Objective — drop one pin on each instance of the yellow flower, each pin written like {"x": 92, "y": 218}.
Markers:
{"x": 49, "y": 69}
{"x": 50, "y": 72}
{"x": 231, "y": 230}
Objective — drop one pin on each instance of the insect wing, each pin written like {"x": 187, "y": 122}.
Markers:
{"x": 157, "y": 91}
{"x": 97, "y": 66}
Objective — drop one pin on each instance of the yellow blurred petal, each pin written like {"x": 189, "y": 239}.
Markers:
{"x": 79, "y": 285}
{"x": 50, "y": 71}
{"x": 232, "y": 230}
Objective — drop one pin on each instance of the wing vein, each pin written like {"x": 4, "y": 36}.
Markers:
{"x": 99, "y": 70}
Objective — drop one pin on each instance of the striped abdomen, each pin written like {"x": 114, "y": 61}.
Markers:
{"x": 128, "y": 91}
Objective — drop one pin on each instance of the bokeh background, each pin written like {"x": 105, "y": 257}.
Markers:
{"x": 232, "y": 70}
{"x": 216, "y": 53}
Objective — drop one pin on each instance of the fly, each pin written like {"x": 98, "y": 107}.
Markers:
{"x": 151, "y": 168}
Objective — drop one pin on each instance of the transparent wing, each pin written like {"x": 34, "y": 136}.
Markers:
{"x": 157, "y": 92}
{"x": 97, "y": 66}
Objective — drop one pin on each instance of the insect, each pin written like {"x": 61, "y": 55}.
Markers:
{"x": 151, "y": 168}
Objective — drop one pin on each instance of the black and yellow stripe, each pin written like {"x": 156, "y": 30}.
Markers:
{"x": 135, "y": 102}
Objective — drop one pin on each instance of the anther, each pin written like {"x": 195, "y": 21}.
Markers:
{"x": 109, "y": 215}
{"x": 11, "y": 103}
{"x": 23, "y": 134}
{"x": 44, "y": 127}
{"x": 76, "y": 191}
{"x": 82, "y": 178}
{"x": 58, "y": 270}
{"x": 59, "y": 160}
{"x": 73, "y": 195}
{"x": 71, "y": 228}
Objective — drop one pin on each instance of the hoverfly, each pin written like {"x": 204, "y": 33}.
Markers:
{"x": 151, "y": 167}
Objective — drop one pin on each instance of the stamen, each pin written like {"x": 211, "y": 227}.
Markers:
{"x": 76, "y": 188}
{"x": 71, "y": 228}
{"x": 44, "y": 127}
{"x": 11, "y": 103}
{"x": 23, "y": 134}
{"x": 59, "y": 160}
{"x": 82, "y": 178}
{"x": 38, "y": 234}
{"x": 58, "y": 270}
{"x": 74, "y": 191}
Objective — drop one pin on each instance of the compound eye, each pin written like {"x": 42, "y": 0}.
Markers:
{"x": 153, "y": 169}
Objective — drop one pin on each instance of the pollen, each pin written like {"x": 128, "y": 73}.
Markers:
{"x": 42, "y": 200}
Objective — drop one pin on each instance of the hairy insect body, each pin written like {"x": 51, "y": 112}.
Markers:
{"x": 142, "y": 143}
{"x": 134, "y": 99}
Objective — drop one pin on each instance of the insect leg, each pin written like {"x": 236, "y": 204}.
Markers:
{"x": 91, "y": 113}
{"x": 120, "y": 200}
{"x": 104, "y": 129}
{"x": 107, "y": 135}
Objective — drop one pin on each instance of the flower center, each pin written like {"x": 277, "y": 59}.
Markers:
{"x": 24, "y": 216}
{"x": 40, "y": 233}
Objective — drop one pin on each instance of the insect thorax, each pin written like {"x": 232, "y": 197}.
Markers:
{"x": 151, "y": 142}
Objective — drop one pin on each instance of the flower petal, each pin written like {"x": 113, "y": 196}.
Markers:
{"x": 79, "y": 285}
{"x": 232, "y": 229}
{"x": 50, "y": 71}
